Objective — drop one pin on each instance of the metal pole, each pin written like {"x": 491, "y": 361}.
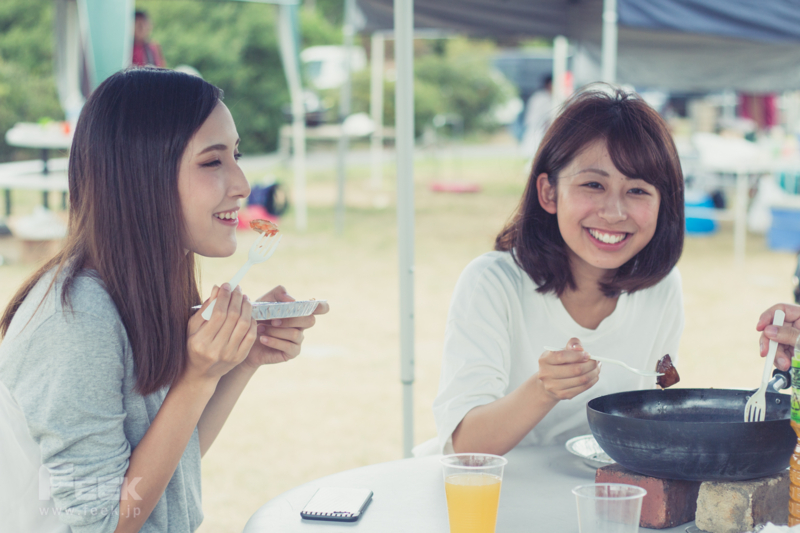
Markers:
{"x": 740, "y": 216}
{"x": 291, "y": 66}
{"x": 404, "y": 123}
{"x": 560, "y": 48}
{"x": 376, "y": 109}
{"x": 609, "y": 65}
{"x": 344, "y": 112}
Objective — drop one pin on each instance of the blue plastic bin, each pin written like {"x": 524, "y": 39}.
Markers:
{"x": 784, "y": 233}
{"x": 699, "y": 225}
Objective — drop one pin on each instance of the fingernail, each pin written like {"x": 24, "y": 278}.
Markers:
{"x": 574, "y": 345}
{"x": 246, "y": 298}
{"x": 261, "y": 328}
{"x": 599, "y": 366}
{"x": 238, "y": 288}
{"x": 226, "y": 287}
{"x": 276, "y": 322}
{"x": 265, "y": 340}
{"x": 771, "y": 330}
{"x": 761, "y": 345}
{"x": 782, "y": 362}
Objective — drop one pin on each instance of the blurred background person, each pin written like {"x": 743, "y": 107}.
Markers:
{"x": 145, "y": 51}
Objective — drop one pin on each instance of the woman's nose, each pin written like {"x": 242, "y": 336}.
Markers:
{"x": 613, "y": 209}
{"x": 240, "y": 187}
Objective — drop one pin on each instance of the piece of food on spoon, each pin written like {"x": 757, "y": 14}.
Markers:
{"x": 670, "y": 377}
{"x": 264, "y": 226}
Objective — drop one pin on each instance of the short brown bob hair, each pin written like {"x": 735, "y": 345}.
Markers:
{"x": 641, "y": 147}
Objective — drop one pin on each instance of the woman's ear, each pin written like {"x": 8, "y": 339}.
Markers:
{"x": 547, "y": 193}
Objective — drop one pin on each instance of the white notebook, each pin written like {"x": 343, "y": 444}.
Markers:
{"x": 337, "y": 503}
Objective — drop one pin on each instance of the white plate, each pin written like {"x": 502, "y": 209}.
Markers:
{"x": 271, "y": 310}
{"x": 587, "y": 449}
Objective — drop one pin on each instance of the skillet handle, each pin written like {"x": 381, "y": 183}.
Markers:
{"x": 781, "y": 379}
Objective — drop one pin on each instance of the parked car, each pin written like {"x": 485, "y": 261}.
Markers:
{"x": 325, "y": 65}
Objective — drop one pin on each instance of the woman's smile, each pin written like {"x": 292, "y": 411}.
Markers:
{"x": 608, "y": 240}
{"x": 228, "y": 218}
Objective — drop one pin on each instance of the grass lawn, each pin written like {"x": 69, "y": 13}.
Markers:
{"x": 338, "y": 405}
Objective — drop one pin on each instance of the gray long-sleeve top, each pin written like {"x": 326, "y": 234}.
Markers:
{"x": 72, "y": 373}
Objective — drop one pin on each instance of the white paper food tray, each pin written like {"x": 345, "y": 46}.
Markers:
{"x": 272, "y": 310}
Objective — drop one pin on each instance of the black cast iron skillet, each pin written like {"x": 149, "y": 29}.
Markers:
{"x": 693, "y": 434}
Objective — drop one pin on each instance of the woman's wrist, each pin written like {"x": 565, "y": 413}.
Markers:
{"x": 243, "y": 370}
{"x": 540, "y": 394}
{"x": 199, "y": 386}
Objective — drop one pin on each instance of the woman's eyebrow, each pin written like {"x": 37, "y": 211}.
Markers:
{"x": 215, "y": 147}
{"x": 595, "y": 171}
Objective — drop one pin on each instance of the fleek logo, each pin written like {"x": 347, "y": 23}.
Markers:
{"x": 59, "y": 478}
{"x": 94, "y": 511}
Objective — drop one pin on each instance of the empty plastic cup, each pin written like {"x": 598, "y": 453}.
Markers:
{"x": 609, "y": 507}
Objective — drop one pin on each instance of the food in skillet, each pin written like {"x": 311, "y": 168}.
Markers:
{"x": 264, "y": 226}
{"x": 670, "y": 376}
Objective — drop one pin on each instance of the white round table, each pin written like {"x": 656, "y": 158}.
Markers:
{"x": 44, "y": 137}
{"x": 409, "y": 497}
{"x": 51, "y": 136}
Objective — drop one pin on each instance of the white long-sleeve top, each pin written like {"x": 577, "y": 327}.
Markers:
{"x": 498, "y": 325}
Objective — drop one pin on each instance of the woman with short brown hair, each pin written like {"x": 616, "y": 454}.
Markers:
{"x": 587, "y": 262}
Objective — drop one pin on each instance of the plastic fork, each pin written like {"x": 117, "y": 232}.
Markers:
{"x": 260, "y": 251}
{"x": 644, "y": 373}
{"x": 756, "y": 408}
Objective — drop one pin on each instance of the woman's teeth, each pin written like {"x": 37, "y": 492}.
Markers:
{"x": 227, "y": 216}
{"x": 607, "y": 238}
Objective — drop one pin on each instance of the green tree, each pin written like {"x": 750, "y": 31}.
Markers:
{"x": 27, "y": 84}
{"x": 454, "y": 78}
{"x": 234, "y": 46}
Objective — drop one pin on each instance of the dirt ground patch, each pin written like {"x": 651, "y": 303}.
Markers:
{"x": 338, "y": 405}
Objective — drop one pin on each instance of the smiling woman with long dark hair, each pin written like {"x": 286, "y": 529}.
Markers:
{"x": 121, "y": 389}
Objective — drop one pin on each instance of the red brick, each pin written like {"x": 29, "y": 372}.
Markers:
{"x": 668, "y": 503}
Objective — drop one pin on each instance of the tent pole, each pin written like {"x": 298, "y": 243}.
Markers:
{"x": 404, "y": 123}
{"x": 291, "y": 66}
{"x": 344, "y": 112}
{"x": 560, "y": 47}
{"x": 609, "y": 51}
{"x": 378, "y": 51}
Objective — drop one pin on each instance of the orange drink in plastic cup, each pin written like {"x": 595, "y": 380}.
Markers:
{"x": 472, "y": 485}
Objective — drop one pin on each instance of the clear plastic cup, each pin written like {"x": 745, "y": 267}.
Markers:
{"x": 609, "y": 507}
{"x": 472, "y": 486}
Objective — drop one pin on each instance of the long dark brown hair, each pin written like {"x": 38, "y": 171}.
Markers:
{"x": 641, "y": 147}
{"x": 125, "y": 219}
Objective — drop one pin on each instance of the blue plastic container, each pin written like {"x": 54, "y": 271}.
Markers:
{"x": 699, "y": 225}
{"x": 784, "y": 233}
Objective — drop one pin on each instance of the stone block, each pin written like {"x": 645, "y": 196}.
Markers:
{"x": 668, "y": 503}
{"x": 736, "y": 506}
